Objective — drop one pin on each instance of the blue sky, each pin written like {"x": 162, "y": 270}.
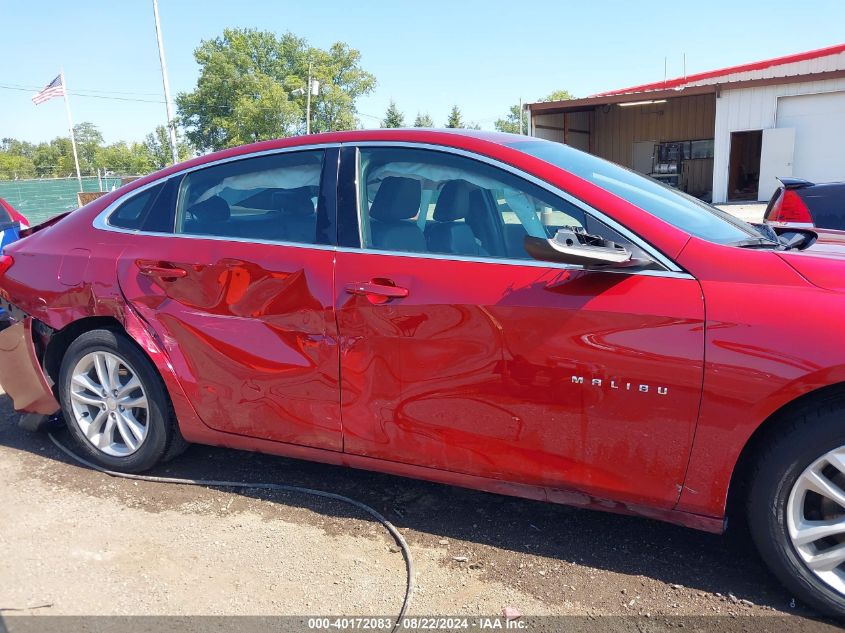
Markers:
{"x": 427, "y": 55}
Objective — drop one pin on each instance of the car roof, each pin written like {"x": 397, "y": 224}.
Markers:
{"x": 415, "y": 133}
{"x": 473, "y": 140}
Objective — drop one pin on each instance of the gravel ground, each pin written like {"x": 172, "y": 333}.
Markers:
{"x": 84, "y": 543}
{"x": 752, "y": 212}
{"x": 75, "y": 542}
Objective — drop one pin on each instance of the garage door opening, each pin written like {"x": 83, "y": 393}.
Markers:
{"x": 744, "y": 169}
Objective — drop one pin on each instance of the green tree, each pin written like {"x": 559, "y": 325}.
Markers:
{"x": 17, "y": 148}
{"x": 392, "y": 117}
{"x": 511, "y": 123}
{"x": 20, "y": 159}
{"x": 46, "y": 159}
{"x": 423, "y": 120}
{"x": 126, "y": 159}
{"x": 252, "y": 87}
{"x": 558, "y": 95}
{"x": 157, "y": 147}
{"x": 342, "y": 82}
{"x": 88, "y": 142}
{"x": 455, "y": 120}
{"x": 14, "y": 166}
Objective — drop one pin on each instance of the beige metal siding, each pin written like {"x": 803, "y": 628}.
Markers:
{"x": 616, "y": 129}
{"x": 548, "y": 127}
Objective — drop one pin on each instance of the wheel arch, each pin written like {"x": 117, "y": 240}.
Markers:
{"x": 133, "y": 327}
{"x": 60, "y": 340}
{"x": 738, "y": 486}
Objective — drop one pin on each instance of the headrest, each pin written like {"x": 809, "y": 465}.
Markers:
{"x": 453, "y": 202}
{"x": 215, "y": 209}
{"x": 298, "y": 203}
{"x": 396, "y": 199}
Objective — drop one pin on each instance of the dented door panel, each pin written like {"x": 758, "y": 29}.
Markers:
{"x": 250, "y": 330}
{"x": 561, "y": 378}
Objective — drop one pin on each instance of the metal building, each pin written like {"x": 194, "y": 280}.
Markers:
{"x": 723, "y": 135}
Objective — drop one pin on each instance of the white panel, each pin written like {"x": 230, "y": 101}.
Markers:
{"x": 775, "y": 159}
{"x": 808, "y": 66}
{"x": 819, "y": 122}
{"x": 642, "y": 156}
{"x": 753, "y": 109}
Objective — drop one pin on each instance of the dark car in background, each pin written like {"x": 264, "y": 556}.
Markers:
{"x": 11, "y": 222}
{"x": 802, "y": 204}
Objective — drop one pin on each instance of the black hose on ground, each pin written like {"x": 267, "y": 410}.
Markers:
{"x": 400, "y": 540}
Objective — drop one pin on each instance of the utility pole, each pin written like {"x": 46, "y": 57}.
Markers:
{"x": 171, "y": 124}
{"x": 520, "y": 115}
{"x": 308, "y": 102}
{"x": 311, "y": 88}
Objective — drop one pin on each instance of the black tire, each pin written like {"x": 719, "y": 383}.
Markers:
{"x": 799, "y": 440}
{"x": 163, "y": 439}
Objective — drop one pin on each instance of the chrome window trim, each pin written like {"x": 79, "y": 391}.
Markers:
{"x": 533, "y": 263}
{"x": 101, "y": 221}
{"x": 358, "y": 193}
{"x": 652, "y": 251}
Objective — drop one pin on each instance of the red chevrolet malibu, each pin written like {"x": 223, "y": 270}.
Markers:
{"x": 486, "y": 310}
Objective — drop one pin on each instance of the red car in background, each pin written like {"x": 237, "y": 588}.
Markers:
{"x": 486, "y": 310}
{"x": 11, "y": 223}
{"x": 14, "y": 215}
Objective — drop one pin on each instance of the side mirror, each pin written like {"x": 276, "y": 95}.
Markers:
{"x": 573, "y": 246}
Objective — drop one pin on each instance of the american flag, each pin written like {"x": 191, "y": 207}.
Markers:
{"x": 52, "y": 89}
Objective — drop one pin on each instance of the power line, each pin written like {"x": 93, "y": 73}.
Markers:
{"x": 97, "y": 90}
{"x": 78, "y": 93}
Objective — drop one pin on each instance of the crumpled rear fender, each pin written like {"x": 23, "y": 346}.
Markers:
{"x": 25, "y": 381}
{"x": 21, "y": 375}
{"x": 190, "y": 425}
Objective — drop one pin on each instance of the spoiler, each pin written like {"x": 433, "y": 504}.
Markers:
{"x": 44, "y": 224}
{"x": 795, "y": 183}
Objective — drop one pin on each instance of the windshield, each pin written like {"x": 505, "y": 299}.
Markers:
{"x": 675, "y": 207}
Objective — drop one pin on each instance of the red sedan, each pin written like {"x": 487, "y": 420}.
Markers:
{"x": 485, "y": 310}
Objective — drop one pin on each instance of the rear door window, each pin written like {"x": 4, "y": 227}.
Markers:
{"x": 271, "y": 197}
{"x": 131, "y": 214}
{"x": 150, "y": 210}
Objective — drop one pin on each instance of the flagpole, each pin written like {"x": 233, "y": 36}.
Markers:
{"x": 171, "y": 124}
{"x": 70, "y": 128}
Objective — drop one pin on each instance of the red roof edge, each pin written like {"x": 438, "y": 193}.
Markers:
{"x": 710, "y": 74}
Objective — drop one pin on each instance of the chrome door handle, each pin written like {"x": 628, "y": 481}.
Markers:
{"x": 162, "y": 272}
{"x": 374, "y": 289}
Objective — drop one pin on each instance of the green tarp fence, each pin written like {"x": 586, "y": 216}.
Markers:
{"x": 43, "y": 198}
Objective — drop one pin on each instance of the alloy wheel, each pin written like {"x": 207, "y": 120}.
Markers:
{"x": 109, "y": 404}
{"x": 815, "y": 516}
